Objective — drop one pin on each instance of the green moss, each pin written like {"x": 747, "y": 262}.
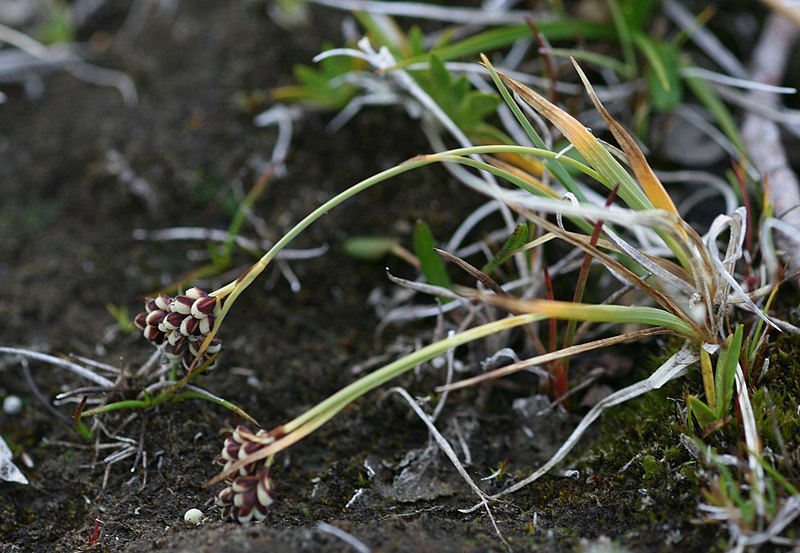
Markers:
{"x": 782, "y": 379}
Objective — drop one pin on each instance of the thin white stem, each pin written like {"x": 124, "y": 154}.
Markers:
{"x": 451, "y": 454}
{"x": 671, "y": 369}
{"x": 419, "y": 10}
{"x": 72, "y": 367}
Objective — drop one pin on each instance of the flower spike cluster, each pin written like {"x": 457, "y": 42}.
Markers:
{"x": 249, "y": 494}
{"x": 181, "y": 323}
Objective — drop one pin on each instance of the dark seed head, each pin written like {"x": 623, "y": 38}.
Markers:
{"x": 206, "y": 325}
{"x": 189, "y": 326}
{"x": 215, "y": 346}
{"x": 152, "y": 334}
{"x": 182, "y": 305}
{"x": 163, "y": 301}
{"x": 175, "y": 337}
{"x": 140, "y": 320}
{"x": 173, "y": 321}
{"x": 203, "y": 307}
{"x": 174, "y": 351}
{"x": 248, "y": 497}
{"x": 155, "y": 317}
{"x": 195, "y": 293}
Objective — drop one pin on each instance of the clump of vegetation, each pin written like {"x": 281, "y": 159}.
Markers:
{"x": 664, "y": 277}
{"x": 592, "y": 251}
{"x": 697, "y": 298}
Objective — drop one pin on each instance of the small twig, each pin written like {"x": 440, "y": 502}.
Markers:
{"x": 219, "y": 235}
{"x": 77, "y": 369}
{"x": 349, "y": 539}
{"x": 451, "y": 454}
{"x": 140, "y": 445}
{"x": 26, "y": 370}
{"x": 82, "y": 391}
{"x": 96, "y": 364}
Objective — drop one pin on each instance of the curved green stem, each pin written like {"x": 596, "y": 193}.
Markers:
{"x": 325, "y": 410}
{"x": 300, "y": 427}
{"x": 126, "y": 404}
{"x": 232, "y": 290}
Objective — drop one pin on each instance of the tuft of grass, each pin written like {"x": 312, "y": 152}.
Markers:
{"x": 691, "y": 298}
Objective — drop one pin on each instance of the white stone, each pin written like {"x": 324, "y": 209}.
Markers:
{"x": 193, "y": 516}
{"x": 12, "y": 405}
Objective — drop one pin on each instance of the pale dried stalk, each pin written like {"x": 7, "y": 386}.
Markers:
{"x": 762, "y": 137}
{"x": 789, "y": 10}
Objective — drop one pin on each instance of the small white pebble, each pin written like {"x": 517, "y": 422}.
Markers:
{"x": 193, "y": 516}
{"x": 12, "y": 405}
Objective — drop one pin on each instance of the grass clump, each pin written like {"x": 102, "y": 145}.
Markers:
{"x": 691, "y": 298}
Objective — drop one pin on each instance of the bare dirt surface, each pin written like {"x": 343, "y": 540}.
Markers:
{"x": 67, "y": 249}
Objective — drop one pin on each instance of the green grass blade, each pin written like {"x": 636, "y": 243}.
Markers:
{"x": 431, "y": 264}
{"x": 194, "y": 392}
{"x": 707, "y": 373}
{"x": 702, "y": 412}
{"x": 325, "y": 410}
{"x": 554, "y": 165}
{"x": 664, "y": 83}
{"x": 494, "y": 39}
{"x": 517, "y": 239}
{"x": 565, "y": 310}
{"x": 369, "y": 248}
{"x": 726, "y": 370}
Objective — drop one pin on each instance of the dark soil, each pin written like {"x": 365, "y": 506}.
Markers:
{"x": 67, "y": 250}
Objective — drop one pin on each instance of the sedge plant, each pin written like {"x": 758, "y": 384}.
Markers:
{"x": 687, "y": 288}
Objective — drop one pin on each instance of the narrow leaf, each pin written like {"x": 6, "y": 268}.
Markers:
{"x": 708, "y": 379}
{"x": 586, "y": 143}
{"x": 368, "y": 248}
{"x": 702, "y": 412}
{"x": 494, "y": 39}
{"x": 565, "y": 310}
{"x": 558, "y": 170}
{"x": 431, "y": 264}
{"x": 726, "y": 370}
{"x": 515, "y": 241}
{"x": 485, "y": 279}
{"x": 664, "y": 83}
{"x": 653, "y": 188}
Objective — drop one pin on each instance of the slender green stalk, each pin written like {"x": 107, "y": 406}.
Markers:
{"x": 327, "y": 409}
{"x": 308, "y": 422}
{"x": 127, "y": 404}
{"x": 233, "y": 289}
{"x": 204, "y": 395}
{"x": 554, "y": 165}
{"x": 622, "y": 314}
{"x": 493, "y": 39}
{"x": 594, "y": 58}
{"x": 524, "y": 150}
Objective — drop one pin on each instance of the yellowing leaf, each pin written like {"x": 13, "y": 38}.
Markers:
{"x": 647, "y": 178}
{"x": 585, "y": 142}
